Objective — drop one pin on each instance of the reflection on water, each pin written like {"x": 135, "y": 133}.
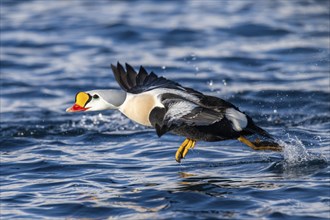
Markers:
{"x": 191, "y": 182}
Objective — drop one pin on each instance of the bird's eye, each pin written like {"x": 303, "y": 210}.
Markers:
{"x": 96, "y": 96}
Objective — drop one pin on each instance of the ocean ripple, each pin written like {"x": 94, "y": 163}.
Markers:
{"x": 270, "y": 58}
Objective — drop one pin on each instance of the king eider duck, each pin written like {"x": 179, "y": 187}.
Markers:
{"x": 167, "y": 106}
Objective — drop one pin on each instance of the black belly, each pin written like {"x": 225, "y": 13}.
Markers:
{"x": 216, "y": 132}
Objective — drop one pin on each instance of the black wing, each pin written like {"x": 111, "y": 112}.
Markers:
{"x": 209, "y": 115}
{"x": 180, "y": 113}
{"x": 133, "y": 82}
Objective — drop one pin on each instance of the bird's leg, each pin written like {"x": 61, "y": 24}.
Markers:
{"x": 187, "y": 148}
{"x": 183, "y": 149}
{"x": 261, "y": 145}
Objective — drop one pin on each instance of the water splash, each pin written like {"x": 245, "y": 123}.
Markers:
{"x": 210, "y": 83}
{"x": 298, "y": 161}
{"x": 295, "y": 152}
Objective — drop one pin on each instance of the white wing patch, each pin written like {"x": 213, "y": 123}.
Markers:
{"x": 237, "y": 118}
{"x": 179, "y": 109}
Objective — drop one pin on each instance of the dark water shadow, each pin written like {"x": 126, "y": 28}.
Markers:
{"x": 307, "y": 168}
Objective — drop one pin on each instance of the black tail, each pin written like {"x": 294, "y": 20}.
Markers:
{"x": 253, "y": 128}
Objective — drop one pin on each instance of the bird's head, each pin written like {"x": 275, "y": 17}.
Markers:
{"x": 98, "y": 100}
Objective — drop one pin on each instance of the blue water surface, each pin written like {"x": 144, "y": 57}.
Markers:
{"x": 270, "y": 58}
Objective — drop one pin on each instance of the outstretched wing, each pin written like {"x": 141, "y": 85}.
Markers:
{"x": 133, "y": 82}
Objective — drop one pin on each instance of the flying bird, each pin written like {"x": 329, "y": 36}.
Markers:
{"x": 167, "y": 106}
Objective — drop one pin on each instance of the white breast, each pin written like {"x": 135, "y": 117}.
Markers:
{"x": 137, "y": 107}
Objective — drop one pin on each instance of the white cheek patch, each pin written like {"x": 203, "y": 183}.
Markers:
{"x": 97, "y": 105}
{"x": 237, "y": 118}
